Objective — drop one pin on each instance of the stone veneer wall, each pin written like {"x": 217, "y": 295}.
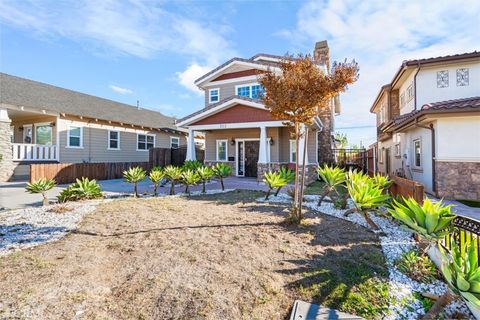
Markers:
{"x": 325, "y": 152}
{"x": 6, "y": 163}
{"x": 458, "y": 180}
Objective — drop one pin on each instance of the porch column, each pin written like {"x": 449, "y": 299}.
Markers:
{"x": 191, "y": 145}
{"x": 301, "y": 144}
{"x": 6, "y": 151}
{"x": 262, "y": 152}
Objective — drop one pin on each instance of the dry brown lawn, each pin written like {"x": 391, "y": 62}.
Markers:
{"x": 209, "y": 257}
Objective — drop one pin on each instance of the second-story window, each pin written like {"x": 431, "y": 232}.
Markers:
{"x": 402, "y": 100}
{"x": 442, "y": 79}
{"x": 214, "y": 95}
{"x": 410, "y": 92}
{"x": 254, "y": 91}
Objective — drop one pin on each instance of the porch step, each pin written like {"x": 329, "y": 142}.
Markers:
{"x": 307, "y": 311}
{"x": 21, "y": 173}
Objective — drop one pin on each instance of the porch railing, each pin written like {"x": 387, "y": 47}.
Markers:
{"x": 34, "y": 152}
{"x": 466, "y": 230}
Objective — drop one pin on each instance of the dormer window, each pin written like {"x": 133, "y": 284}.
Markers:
{"x": 214, "y": 95}
{"x": 254, "y": 91}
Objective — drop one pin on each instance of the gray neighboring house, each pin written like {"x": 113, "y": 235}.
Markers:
{"x": 41, "y": 123}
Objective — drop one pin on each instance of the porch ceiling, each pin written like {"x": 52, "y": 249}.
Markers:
{"x": 17, "y": 115}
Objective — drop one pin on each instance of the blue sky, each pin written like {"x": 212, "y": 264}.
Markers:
{"x": 152, "y": 51}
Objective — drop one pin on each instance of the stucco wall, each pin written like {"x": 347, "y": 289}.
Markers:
{"x": 95, "y": 143}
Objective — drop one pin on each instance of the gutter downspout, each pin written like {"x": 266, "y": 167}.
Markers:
{"x": 434, "y": 173}
{"x": 415, "y": 86}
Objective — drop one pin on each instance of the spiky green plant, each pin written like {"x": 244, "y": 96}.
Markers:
{"x": 462, "y": 273}
{"x": 430, "y": 221}
{"x": 365, "y": 194}
{"x": 173, "y": 174}
{"x": 287, "y": 175}
{"x": 134, "y": 175}
{"x": 189, "y": 178}
{"x": 221, "y": 170}
{"x": 334, "y": 178}
{"x": 205, "y": 173}
{"x": 191, "y": 165}
{"x": 382, "y": 182}
{"x": 156, "y": 175}
{"x": 41, "y": 186}
{"x": 81, "y": 189}
{"x": 273, "y": 180}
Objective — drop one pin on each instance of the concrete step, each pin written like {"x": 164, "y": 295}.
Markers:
{"x": 21, "y": 173}
{"x": 307, "y": 311}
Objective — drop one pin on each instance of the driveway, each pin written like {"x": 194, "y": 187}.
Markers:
{"x": 13, "y": 195}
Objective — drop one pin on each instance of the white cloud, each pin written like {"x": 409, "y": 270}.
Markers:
{"x": 139, "y": 28}
{"x": 120, "y": 90}
{"x": 380, "y": 35}
{"x": 192, "y": 73}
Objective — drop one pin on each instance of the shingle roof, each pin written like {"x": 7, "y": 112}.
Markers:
{"x": 465, "y": 104}
{"x": 23, "y": 92}
{"x": 213, "y": 105}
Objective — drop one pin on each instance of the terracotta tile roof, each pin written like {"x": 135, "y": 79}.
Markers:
{"x": 474, "y": 54}
{"x": 465, "y": 104}
{"x": 213, "y": 105}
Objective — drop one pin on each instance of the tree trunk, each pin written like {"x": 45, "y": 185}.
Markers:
{"x": 172, "y": 187}
{"x": 135, "y": 191}
{"x": 221, "y": 182}
{"x": 155, "y": 189}
{"x": 439, "y": 305}
{"x": 370, "y": 221}
{"x": 45, "y": 199}
{"x": 349, "y": 211}
{"x": 296, "y": 190}
{"x": 302, "y": 186}
{"x": 268, "y": 193}
{"x": 203, "y": 186}
{"x": 187, "y": 189}
{"x": 323, "y": 196}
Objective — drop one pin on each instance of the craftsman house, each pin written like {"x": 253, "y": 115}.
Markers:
{"x": 428, "y": 125}
{"x": 241, "y": 132}
{"x": 41, "y": 123}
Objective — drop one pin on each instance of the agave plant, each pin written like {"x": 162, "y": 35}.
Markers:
{"x": 365, "y": 194}
{"x": 81, "y": 189}
{"x": 191, "y": 165}
{"x": 173, "y": 174}
{"x": 221, "y": 171}
{"x": 205, "y": 173}
{"x": 382, "y": 181}
{"x": 430, "y": 221}
{"x": 189, "y": 178}
{"x": 462, "y": 272}
{"x": 334, "y": 178}
{"x": 287, "y": 175}
{"x": 156, "y": 175}
{"x": 273, "y": 180}
{"x": 41, "y": 186}
{"x": 134, "y": 175}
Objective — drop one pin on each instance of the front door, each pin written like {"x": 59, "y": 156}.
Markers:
{"x": 251, "y": 158}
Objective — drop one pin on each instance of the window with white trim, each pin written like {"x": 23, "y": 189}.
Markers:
{"x": 43, "y": 133}
{"x": 75, "y": 137}
{"x": 410, "y": 92}
{"x": 221, "y": 150}
{"x": 293, "y": 151}
{"x": 174, "y": 142}
{"x": 145, "y": 141}
{"x": 380, "y": 155}
{"x": 214, "y": 95}
{"x": 254, "y": 91}
{"x": 113, "y": 140}
{"x": 397, "y": 150}
{"x": 402, "y": 100}
{"x": 417, "y": 153}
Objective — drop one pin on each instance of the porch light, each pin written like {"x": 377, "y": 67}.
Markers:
{"x": 271, "y": 141}
{"x": 232, "y": 142}
{"x": 52, "y": 124}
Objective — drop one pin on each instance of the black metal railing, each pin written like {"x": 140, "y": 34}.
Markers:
{"x": 465, "y": 231}
{"x": 350, "y": 158}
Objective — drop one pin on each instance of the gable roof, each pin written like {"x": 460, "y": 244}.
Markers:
{"x": 37, "y": 95}
{"x": 214, "y": 107}
{"x": 455, "y": 105}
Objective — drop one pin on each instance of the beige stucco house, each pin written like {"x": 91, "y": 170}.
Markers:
{"x": 41, "y": 123}
{"x": 241, "y": 132}
{"x": 428, "y": 121}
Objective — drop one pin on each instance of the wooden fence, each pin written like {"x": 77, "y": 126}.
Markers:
{"x": 407, "y": 188}
{"x": 68, "y": 172}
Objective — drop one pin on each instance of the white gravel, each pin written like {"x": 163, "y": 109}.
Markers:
{"x": 394, "y": 241}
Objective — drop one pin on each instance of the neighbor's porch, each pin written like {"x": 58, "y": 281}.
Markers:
{"x": 33, "y": 136}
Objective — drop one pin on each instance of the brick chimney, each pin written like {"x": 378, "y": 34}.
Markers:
{"x": 321, "y": 54}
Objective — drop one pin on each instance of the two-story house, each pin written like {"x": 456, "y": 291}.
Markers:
{"x": 428, "y": 125}
{"x": 241, "y": 132}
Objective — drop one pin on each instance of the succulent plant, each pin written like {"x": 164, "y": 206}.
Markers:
{"x": 41, "y": 186}
{"x": 134, "y": 175}
{"x": 205, "y": 173}
{"x": 221, "y": 171}
{"x": 81, "y": 189}
{"x": 287, "y": 174}
{"x": 382, "y": 182}
{"x": 334, "y": 178}
{"x": 189, "y": 177}
{"x": 173, "y": 174}
{"x": 156, "y": 175}
{"x": 273, "y": 180}
{"x": 191, "y": 165}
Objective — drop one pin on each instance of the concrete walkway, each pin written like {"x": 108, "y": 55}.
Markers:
{"x": 13, "y": 195}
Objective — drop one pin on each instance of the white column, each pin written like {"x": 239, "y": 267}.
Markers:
{"x": 301, "y": 146}
{"x": 191, "y": 145}
{"x": 57, "y": 140}
{"x": 262, "y": 153}
{"x": 4, "y": 116}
